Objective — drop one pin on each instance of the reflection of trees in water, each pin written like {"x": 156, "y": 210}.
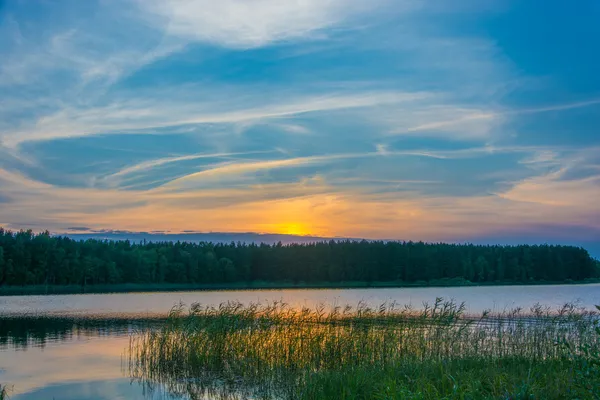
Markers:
{"x": 36, "y": 331}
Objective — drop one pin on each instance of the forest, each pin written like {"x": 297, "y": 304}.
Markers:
{"x": 27, "y": 258}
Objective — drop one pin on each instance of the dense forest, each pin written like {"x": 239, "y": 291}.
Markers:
{"x": 42, "y": 259}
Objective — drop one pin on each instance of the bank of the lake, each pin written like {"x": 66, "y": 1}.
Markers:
{"x": 259, "y": 285}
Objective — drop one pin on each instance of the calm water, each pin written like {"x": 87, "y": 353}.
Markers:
{"x": 69, "y": 357}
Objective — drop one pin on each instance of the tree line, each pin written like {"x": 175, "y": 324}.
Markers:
{"x": 27, "y": 258}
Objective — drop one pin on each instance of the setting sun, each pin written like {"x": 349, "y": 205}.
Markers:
{"x": 293, "y": 229}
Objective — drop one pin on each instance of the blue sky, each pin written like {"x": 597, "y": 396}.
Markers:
{"x": 395, "y": 119}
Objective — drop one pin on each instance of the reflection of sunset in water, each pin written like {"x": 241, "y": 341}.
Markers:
{"x": 80, "y": 359}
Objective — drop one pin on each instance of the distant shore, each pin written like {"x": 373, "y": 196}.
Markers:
{"x": 257, "y": 285}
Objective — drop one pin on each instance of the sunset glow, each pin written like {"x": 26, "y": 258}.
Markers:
{"x": 336, "y": 119}
{"x": 292, "y": 229}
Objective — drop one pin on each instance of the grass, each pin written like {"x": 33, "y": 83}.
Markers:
{"x": 3, "y": 392}
{"x": 164, "y": 287}
{"x": 440, "y": 352}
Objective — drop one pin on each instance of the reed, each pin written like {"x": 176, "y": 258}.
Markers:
{"x": 389, "y": 352}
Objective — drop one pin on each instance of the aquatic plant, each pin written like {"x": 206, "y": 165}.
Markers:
{"x": 586, "y": 360}
{"x": 3, "y": 392}
{"x": 276, "y": 351}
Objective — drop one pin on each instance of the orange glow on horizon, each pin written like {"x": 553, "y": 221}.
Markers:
{"x": 292, "y": 229}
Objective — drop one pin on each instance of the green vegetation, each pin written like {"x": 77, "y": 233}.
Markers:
{"x": 3, "y": 392}
{"x": 387, "y": 353}
{"x": 41, "y": 260}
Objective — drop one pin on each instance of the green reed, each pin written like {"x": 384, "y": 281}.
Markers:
{"x": 276, "y": 351}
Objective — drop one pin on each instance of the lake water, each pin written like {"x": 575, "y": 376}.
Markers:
{"x": 70, "y": 357}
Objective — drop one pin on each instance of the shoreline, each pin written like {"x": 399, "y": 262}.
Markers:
{"x": 259, "y": 285}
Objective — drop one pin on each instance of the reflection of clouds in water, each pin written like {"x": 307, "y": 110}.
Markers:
{"x": 93, "y": 390}
{"x": 74, "y": 360}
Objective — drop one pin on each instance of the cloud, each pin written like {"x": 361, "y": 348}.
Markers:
{"x": 137, "y": 116}
{"x": 249, "y": 24}
{"x": 293, "y": 128}
{"x": 541, "y": 157}
{"x": 557, "y": 107}
{"x": 220, "y": 171}
{"x": 21, "y": 181}
{"x": 468, "y": 123}
{"x": 577, "y": 194}
{"x": 116, "y": 177}
{"x": 79, "y": 52}
{"x": 244, "y": 168}
{"x": 471, "y": 124}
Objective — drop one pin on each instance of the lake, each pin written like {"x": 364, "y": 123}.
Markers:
{"x": 76, "y": 351}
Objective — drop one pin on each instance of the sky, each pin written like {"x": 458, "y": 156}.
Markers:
{"x": 470, "y": 120}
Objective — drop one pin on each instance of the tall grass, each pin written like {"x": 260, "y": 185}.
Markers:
{"x": 274, "y": 351}
{"x": 3, "y": 392}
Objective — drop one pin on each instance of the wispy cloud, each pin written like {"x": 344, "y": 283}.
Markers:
{"x": 382, "y": 149}
{"x": 148, "y": 165}
{"x": 242, "y": 24}
{"x": 221, "y": 171}
{"x": 568, "y": 185}
{"x": 81, "y": 48}
{"x": 470, "y": 123}
{"x": 551, "y": 190}
{"x": 137, "y": 116}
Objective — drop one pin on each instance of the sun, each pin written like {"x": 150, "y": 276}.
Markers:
{"x": 293, "y": 229}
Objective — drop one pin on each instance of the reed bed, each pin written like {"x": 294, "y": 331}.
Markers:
{"x": 3, "y": 392}
{"x": 275, "y": 351}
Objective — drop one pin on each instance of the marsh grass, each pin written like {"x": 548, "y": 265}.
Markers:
{"x": 3, "y": 392}
{"x": 390, "y": 352}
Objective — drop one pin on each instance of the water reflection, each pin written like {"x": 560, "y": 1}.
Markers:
{"x": 65, "y": 355}
{"x": 141, "y": 305}
{"x": 23, "y": 332}
{"x": 207, "y": 387}
{"x": 96, "y": 390}
{"x": 69, "y": 358}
